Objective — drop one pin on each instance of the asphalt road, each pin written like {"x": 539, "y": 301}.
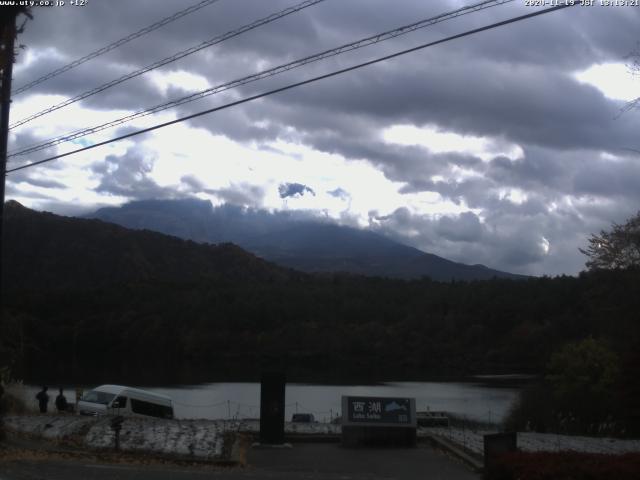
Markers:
{"x": 303, "y": 461}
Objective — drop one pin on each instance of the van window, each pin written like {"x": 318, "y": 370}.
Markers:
{"x": 119, "y": 402}
{"x": 94, "y": 396}
{"x": 151, "y": 409}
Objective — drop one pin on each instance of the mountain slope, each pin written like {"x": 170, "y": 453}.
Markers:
{"x": 47, "y": 251}
{"x": 293, "y": 241}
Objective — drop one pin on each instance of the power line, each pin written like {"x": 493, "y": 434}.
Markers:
{"x": 299, "y": 84}
{"x": 115, "y": 44}
{"x": 214, "y": 41}
{"x": 267, "y": 73}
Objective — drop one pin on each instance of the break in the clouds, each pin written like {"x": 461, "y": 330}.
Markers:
{"x": 506, "y": 148}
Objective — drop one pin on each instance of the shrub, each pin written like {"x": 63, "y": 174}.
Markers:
{"x": 533, "y": 410}
{"x": 12, "y": 403}
{"x": 578, "y": 396}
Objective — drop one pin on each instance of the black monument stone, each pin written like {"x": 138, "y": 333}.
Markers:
{"x": 272, "y": 397}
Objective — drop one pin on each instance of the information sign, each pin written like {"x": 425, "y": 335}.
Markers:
{"x": 382, "y": 411}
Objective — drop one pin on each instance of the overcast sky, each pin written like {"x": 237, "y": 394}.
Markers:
{"x": 505, "y": 148}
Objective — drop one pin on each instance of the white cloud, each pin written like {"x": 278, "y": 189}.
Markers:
{"x": 441, "y": 141}
{"x": 614, "y": 80}
{"x": 545, "y": 245}
{"x": 514, "y": 195}
{"x": 181, "y": 79}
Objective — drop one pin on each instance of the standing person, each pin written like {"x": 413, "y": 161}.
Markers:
{"x": 61, "y": 402}
{"x": 43, "y": 399}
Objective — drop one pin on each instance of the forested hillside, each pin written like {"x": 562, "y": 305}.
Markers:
{"x": 46, "y": 251}
{"x": 91, "y": 299}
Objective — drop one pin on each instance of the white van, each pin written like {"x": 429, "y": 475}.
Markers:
{"x": 121, "y": 400}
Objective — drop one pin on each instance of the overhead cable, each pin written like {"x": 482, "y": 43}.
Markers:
{"x": 213, "y": 41}
{"x": 267, "y": 73}
{"x": 298, "y": 84}
{"x": 114, "y": 45}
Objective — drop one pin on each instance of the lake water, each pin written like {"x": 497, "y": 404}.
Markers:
{"x": 475, "y": 400}
{"x": 221, "y": 400}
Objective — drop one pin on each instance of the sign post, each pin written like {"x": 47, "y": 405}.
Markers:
{"x": 378, "y": 421}
{"x": 272, "y": 394}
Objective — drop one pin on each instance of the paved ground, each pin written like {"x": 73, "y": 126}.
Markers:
{"x": 331, "y": 461}
{"x": 303, "y": 461}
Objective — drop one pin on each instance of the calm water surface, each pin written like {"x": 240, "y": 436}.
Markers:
{"x": 242, "y": 400}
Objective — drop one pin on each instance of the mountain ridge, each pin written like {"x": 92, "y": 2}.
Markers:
{"x": 293, "y": 240}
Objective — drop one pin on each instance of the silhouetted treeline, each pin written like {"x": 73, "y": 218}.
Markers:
{"x": 398, "y": 329}
{"x": 86, "y": 297}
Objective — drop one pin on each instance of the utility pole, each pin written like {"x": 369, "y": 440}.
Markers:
{"x": 8, "y": 17}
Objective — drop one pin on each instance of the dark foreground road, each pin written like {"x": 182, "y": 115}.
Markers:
{"x": 303, "y": 461}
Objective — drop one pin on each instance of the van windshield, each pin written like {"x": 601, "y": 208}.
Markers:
{"x": 95, "y": 396}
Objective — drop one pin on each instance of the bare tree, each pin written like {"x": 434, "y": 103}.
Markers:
{"x": 633, "y": 64}
{"x": 618, "y": 248}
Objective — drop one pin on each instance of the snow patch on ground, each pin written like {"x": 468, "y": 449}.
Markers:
{"x": 205, "y": 438}
{"x": 51, "y": 427}
{"x": 196, "y": 438}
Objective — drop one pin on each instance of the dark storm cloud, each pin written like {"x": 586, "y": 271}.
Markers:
{"x": 570, "y": 39}
{"x": 192, "y": 183}
{"x": 241, "y": 194}
{"x": 514, "y": 85}
{"x": 294, "y": 190}
{"x": 271, "y": 149}
{"x": 566, "y": 121}
{"x": 528, "y": 105}
{"x": 125, "y": 130}
{"x": 464, "y": 228}
{"x": 273, "y": 42}
{"x": 34, "y": 178}
{"x": 238, "y": 124}
{"x": 508, "y": 242}
{"x": 21, "y": 139}
{"x": 128, "y": 176}
{"x": 540, "y": 168}
{"x": 135, "y": 94}
{"x": 499, "y": 96}
{"x": 43, "y": 183}
{"x": 239, "y": 54}
{"x": 12, "y": 191}
{"x": 609, "y": 178}
{"x": 577, "y": 173}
